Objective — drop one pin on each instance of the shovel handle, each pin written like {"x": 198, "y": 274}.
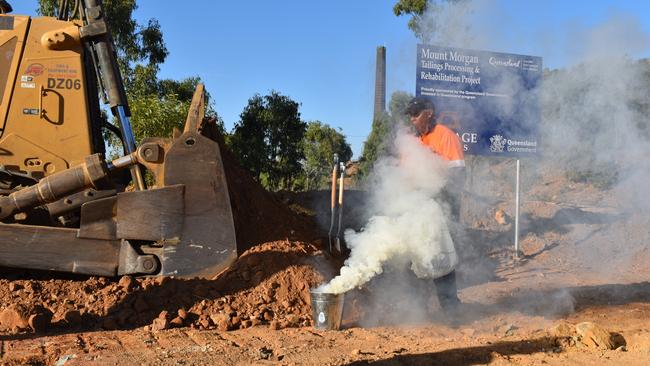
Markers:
{"x": 334, "y": 176}
{"x": 341, "y": 186}
{"x": 333, "y": 203}
{"x": 339, "y": 247}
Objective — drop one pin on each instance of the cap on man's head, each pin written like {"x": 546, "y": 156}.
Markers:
{"x": 417, "y": 105}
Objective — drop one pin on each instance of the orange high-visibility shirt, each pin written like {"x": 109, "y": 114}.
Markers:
{"x": 444, "y": 142}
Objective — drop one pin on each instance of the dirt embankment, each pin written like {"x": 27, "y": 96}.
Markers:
{"x": 280, "y": 260}
{"x": 269, "y": 284}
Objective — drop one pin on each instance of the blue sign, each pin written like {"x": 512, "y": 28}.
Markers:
{"x": 490, "y": 99}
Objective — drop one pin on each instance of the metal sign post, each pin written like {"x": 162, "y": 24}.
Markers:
{"x": 517, "y": 212}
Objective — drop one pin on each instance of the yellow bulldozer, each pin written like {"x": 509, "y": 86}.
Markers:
{"x": 63, "y": 205}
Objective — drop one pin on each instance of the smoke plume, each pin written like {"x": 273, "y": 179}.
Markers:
{"x": 594, "y": 127}
{"x": 594, "y": 108}
{"x": 407, "y": 226}
{"x": 594, "y": 121}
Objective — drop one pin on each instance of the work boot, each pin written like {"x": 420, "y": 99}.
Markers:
{"x": 448, "y": 294}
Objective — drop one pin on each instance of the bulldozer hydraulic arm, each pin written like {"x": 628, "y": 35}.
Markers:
{"x": 49, "y": 189}
{"x": 96, "y": 33}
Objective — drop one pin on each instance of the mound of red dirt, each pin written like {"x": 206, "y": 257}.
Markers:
{"x": 259, "y": 216}
{"x": 267, "y": 285}
{"x": 279, "y": 262}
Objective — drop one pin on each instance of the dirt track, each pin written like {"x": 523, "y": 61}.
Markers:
{"x": 584, "y": 258}
{"x": 505, "y": 321}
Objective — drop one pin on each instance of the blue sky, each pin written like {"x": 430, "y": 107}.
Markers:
{"x": 322, "y": 53}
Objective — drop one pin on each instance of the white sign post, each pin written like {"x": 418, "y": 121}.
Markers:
{"x": 517, "y": 212}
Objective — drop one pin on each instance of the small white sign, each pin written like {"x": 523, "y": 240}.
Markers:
{"x": 28, "y": 85}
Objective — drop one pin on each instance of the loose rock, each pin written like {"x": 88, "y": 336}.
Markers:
{"x": 221, "y": 320}
{"x": 274, "y": 325}
{"x": 14, "y": 318}
{"x": 159, "y": 324}
{"x": 562, "y": 329}
{"x": 500, "y": 217}
{"x": 292, "y": 320}
{"x": 126, "y": 283}
{"x": 265, "y": 353}
{"x": 182, "y": 313}
{"x": 176, "y": 322}
{"x": 594, "y": 336}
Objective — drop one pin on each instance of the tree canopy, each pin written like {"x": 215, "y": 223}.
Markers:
{"x": 160, "y": 105}
{"x": 382, "y": 132}
{"x": 417, "y": 9}
{"x": 267, "y": 140}
{"x": 319, "y": 145}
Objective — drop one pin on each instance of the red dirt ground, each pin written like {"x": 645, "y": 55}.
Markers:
{"x": 583, "y": 258}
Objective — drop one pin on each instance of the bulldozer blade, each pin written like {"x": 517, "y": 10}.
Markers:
{"x": 207, "y": 244}
{"x": 196, "y": 111}
{"x": 57, "y": 249}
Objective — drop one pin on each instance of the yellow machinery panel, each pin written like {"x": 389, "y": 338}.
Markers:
{"x": 12, "y": 39}
{"x": 46, "y": 128}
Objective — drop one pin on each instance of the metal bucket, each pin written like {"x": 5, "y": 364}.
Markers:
{"x": 326, "y": 310}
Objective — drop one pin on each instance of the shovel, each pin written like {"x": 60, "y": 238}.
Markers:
{"x": 339, "y": 247}
{"x": 333, "y": 202}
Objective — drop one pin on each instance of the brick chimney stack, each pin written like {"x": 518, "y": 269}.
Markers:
{"x": 380, "y": 82}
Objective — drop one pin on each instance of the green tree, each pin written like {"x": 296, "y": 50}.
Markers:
{"x": 382, "y": 133}
{"x": 417, "y": 9}
{"x": 375, "y": 145}
{"x": 159, "y": 106}
{"x": 319, "y": 145}
{"x": 267, "y": 140}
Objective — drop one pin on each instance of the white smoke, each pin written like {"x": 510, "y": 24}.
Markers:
{"x": 407, "y": 226}
{"x": 595, "y": 111}
{"x": 594, "y": 114}
{"x": 447, "y": 23}
{"x": 594, "y": 117}
{"x": 588, "y": 105}
{"x": 594, "y": 106}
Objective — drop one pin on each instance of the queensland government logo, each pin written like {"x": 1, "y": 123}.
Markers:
{"x": 497, "y": 143}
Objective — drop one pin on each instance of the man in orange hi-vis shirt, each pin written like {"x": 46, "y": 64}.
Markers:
{"x": 444, "y": 142}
